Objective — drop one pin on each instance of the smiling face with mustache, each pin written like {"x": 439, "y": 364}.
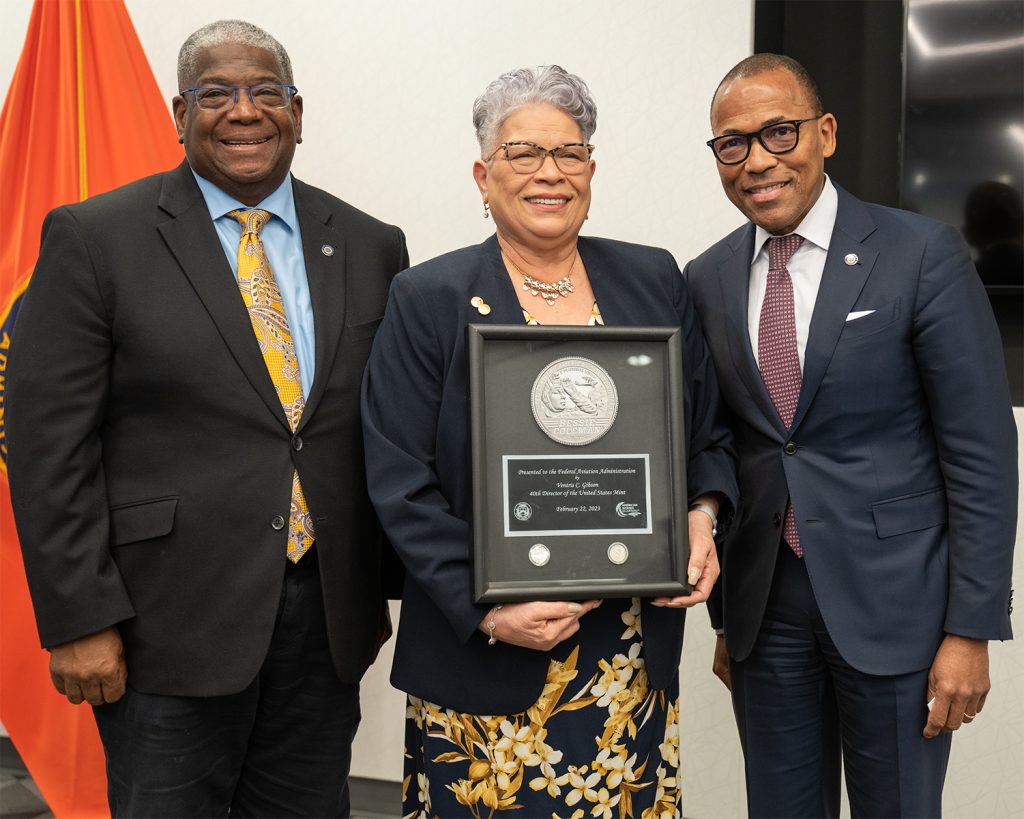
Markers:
{"x": 774, "y": 191}
{"x": 244, "y": 150}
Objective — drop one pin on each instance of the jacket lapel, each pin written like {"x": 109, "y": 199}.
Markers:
{"x": 323, "y": 247}
{"x": 496, "y": 289}
{"x": 734, "y": 281}
{"x": 841, "y": 284}
{"x": 191, "y": 237}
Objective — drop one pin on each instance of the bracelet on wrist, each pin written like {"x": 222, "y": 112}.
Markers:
{"x": 707, "y": 510}
{"x": 491, "y": 625}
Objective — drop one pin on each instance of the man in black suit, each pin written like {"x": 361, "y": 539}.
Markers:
{"x": 165, "y": 496}
{"x": 870, "y": 566}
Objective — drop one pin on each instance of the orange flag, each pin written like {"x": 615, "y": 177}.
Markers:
{"x": 83, "y": 115}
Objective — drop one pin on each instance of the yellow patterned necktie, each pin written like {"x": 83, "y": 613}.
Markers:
{"x": 262, "y": 298}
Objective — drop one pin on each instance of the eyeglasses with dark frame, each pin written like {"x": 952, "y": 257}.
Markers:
{"x": 528, "y": 157}
{"x": 219, "y": 97}
{"x": 777, "y": 138}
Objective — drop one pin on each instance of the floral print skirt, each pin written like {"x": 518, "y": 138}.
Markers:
{"x": 599, "y": 742}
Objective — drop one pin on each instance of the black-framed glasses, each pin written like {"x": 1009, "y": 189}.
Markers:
{"x": 220, "y": 97}
{"x": 527, "y": 157}
{"x": 778, "y": 138}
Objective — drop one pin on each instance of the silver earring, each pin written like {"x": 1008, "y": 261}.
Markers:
{"x": 487, "y": 211}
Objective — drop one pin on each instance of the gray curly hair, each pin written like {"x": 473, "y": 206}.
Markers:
{"x": 549, "y": 84}
{"x": 227, "y": 31}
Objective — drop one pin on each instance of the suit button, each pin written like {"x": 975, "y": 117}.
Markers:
{"x": 296, "y": 443}
{"x": 777, "y": 520}
{"x": 789, "y": 448}
{"x": 277, "y": 522}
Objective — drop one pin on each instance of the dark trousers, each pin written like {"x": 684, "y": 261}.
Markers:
{"x": 282, "y": 747}
{"x": 804, "y": 714}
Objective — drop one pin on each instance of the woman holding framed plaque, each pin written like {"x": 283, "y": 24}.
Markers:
{"x": 531, "y": 707}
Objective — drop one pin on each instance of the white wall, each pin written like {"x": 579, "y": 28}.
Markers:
{"x": 388, "y": 88}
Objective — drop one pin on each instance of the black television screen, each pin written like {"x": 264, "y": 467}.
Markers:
{"x": 963, "y": 141}
{"x": 964, "y": 107}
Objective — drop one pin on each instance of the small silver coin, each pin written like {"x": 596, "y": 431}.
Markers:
{"x": 574, "y": 401}
{"x": 539, "y": 554}
{"x": 618, "y": 553}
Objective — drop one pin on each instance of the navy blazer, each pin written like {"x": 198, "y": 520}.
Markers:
{"x": 416, "y": 424}
{"x": 903, "y": 465}
{"x": 150, "y": 455}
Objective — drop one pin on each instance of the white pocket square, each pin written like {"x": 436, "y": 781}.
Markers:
{"x": 856, "y": 314}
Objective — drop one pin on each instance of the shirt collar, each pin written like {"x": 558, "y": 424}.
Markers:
{"x": 816, "y": 226}
{"x": 281, "y": 203}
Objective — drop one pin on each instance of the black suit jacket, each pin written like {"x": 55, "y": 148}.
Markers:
{"x": 901, "y": 460}
{"x": 149, "y": 453}
{"x": 415, "y": 413}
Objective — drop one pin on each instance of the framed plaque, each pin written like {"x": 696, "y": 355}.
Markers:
{"x": 579, "y": 462}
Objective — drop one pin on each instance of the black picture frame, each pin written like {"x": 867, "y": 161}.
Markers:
{"x": 609, "y": 514}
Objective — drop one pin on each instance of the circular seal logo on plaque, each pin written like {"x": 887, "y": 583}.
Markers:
{"x": 523, "y": 511}
{"x": 618, "y": 553}
{"x": 574, "y": 401}
{"x": 539, "y": 554}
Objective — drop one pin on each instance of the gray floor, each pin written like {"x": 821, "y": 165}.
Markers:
{"x": 20, "y": 798}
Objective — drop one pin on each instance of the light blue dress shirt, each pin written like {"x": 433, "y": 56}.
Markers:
{"x": 283, "y": 245}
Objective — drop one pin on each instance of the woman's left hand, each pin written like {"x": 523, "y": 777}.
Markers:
{"x": 703, "y": 570}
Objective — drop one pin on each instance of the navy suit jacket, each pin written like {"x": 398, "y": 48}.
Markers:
{"x": 901, "y": 460}
{"x": 149, "y": 452}
{"x": 416, "y": 423}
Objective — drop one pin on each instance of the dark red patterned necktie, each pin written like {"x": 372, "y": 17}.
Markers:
{"x": 777, "y": 356}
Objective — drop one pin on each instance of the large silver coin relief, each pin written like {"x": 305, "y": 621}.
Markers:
{"x": 574, "y": 401}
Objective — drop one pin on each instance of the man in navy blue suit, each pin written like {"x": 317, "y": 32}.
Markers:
{"x": 858, "y": 356}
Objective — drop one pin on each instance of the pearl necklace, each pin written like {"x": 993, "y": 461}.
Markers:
{"x": 549, "y": 292}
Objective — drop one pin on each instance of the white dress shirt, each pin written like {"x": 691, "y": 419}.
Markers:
{"x": 805, "y": 267}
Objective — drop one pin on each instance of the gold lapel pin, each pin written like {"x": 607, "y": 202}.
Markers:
{"x": 481, "y": 306}
{"x": 327, "y": 250}
{"x": 851, "y": 259}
